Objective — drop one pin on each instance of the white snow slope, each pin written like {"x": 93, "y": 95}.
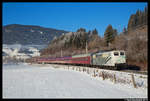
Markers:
{"x": 37, "y": 81}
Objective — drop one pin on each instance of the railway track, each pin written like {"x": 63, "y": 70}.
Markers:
{"x": 111, "y": 68}
{"x": 137, "y": 72}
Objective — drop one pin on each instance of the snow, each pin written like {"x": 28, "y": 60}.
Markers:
{"x": 41, "y": 32}
{"x": 48, "y": 81}
{"x": 141, "y": 80}
{"x": 14, "y": 50}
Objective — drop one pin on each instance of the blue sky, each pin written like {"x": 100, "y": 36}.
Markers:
{"x": 70, "y": 16}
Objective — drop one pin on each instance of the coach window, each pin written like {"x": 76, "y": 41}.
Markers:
{"x": 116, "y": 53}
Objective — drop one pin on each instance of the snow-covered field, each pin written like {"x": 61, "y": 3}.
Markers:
{"x": 18, "y": 46}
{"x": 22, "y": 51}
{"x": 45, "y": 81}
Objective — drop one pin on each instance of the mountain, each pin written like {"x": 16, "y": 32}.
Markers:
{"x": 29, "y": 34}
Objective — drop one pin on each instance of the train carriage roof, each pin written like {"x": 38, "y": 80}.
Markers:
{"x": 106, "y": 51}
{"x": 81, "y": 55}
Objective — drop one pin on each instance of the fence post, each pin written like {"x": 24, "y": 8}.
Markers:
{"x": 133, "y": 80}
{"x": 94, "y": 72}
{"x": 114, "y": 78}
{"x": 103, "y": 76}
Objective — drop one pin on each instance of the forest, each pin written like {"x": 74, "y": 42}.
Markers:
{"x": 132, "y": 39}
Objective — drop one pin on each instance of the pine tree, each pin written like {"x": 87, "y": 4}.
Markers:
{"x": 115, "y": 33}
{"x": 95, "y": 32}
{"x": 81, "y": 30}
{"x": 89, "y": 32}
{"x": 145, "y": 15}
{"x": 124, "y": 30}
{"x": 131, "y": 22}
{"x": 138, "y": 19}
{"x": 110, "y": 34}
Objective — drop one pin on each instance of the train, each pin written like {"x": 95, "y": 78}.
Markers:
{"x": 102, "y": 59}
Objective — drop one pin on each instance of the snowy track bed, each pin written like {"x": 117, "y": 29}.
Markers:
{"x": 45, "y": 81}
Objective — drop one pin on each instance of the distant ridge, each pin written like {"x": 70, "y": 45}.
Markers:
{"x": 29, "y": 34}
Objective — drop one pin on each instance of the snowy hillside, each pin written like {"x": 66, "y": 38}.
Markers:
{"x": 47, "y": 81}
{"x": 22, "y": 51}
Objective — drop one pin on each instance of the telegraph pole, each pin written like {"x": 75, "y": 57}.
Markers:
{"x": 86, "y": 48}
{"x": 61, "y": 52}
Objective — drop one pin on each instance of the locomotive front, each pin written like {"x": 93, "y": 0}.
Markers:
{"x": 109, "y": 58}
{"x": 118, "y": 58}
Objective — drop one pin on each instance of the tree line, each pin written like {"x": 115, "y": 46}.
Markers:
{"x": 138, "y": 19}
{"x": 133, "y": 41}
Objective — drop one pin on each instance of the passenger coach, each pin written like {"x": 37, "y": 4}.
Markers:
{"x": 101, "y": 58}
